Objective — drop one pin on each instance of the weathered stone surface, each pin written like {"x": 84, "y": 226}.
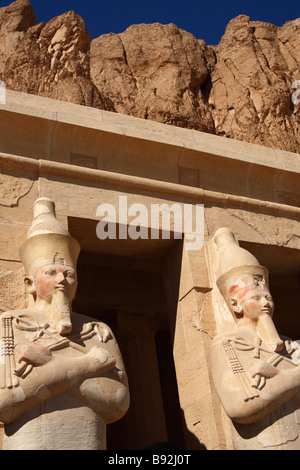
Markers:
{"x": 147, "y": 161}
{"x": 240, "y": 89}
{"x": 12, "y": 290}
{"x": 13, "y": 188}
{"x": 100, "y": 398}
{"x": 52, "y": 59}
{"x": 242, "y": 295}
{"x": 252, "y": 83}
{"x": 14, "y": 22}
{"x": 155, "y": 72}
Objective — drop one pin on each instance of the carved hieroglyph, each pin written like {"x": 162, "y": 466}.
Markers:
{"x": 62, "y": 378}
{"x": 256, "y": 372}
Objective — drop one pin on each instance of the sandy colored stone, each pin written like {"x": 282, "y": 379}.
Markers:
{"x": 252, "y": 83}
{"x": 250, "y": 188}
{"x": 151, "y": 162}
{"x": 154, "y": 72}
{"x": 39, "y": 405}
{"x": 255, "y": 370}
{"x": 241, "y": 89}
{"x": 12, "y": 290}
{"x": 15, "y": 20}
{"x": 51, "y": 59}
{"x": 13, "y": 188}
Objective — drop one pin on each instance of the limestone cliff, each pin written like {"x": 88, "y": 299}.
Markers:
{"x": 240, "y": 89}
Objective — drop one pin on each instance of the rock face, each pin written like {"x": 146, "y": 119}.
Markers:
{"x": 14, "y": 22}
{"x": 154, "y": 72}
{"x": 240, "y": 89}
{"x": 256, "y": 66}
{"x": 48, "y": 59}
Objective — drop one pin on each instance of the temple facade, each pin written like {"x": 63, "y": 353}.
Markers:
{"x": 151, "y": 281}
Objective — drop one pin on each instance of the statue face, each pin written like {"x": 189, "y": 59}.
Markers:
{"x": 253, "y": 304}
{"x": 52, "y": 278}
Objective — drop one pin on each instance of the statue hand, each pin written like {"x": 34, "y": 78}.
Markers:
{"x": 260, "y": 372}
{"x": 102, "y": 332}
{"x": 32, "y": 354}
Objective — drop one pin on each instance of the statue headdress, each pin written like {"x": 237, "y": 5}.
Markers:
{"x": 238, "y": 269}
{"x": 48, "y": 241}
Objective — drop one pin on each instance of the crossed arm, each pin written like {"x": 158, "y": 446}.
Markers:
{"x": 54, "y": 377}
{"x": 252, "y": 391}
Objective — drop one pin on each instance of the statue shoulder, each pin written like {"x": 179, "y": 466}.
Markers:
{"x": 223, "y": 338}
{"x": 83, "y": 322}
{"x": 15, "y": 313}
{"x": 81, "y": 319}
{"x": 238, "y": 335}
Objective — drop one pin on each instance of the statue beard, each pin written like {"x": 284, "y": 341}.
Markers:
{"x": 61, "y": 313}
{"x": 268, "y": 333}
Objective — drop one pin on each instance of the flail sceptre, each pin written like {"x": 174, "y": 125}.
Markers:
{"x": 8, "y": 379}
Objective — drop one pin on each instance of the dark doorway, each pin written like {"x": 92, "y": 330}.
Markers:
{"x": 125, "y": 288}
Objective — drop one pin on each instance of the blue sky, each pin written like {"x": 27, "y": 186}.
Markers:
{"x": 206, "y": 19}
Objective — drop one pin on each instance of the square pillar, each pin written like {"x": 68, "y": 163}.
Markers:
{"x": 194, "y": 330}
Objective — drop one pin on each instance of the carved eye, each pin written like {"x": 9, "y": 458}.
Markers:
{"x": 269, "y": 297}
{"x": 50, "y": 272}
{"x": 255, "y": 297}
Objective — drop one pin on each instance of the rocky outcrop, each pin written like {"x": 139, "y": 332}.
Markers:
{"x": 49, "y": 59}
{"x": 256, "y": 65}
{"x": 240, "y": 89}
{"x": 14, "y": 22}
{"x": 155, "y": 72}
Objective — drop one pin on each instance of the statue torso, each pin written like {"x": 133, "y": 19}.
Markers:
{"x": 90, "y": 403}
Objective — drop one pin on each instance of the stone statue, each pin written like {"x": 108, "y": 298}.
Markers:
{"x": 62, "y": 378}
{"x": 255, "y": 371}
